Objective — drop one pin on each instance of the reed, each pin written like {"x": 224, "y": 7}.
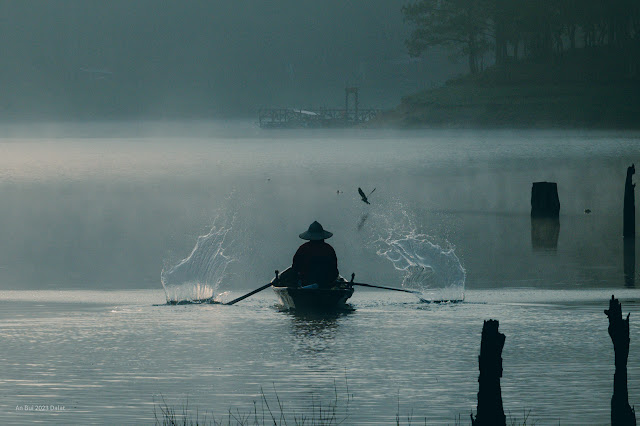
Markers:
{"x": 270, "y": 410}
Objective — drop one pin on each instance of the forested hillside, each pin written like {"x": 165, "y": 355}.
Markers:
{"x": 531, "y": 63}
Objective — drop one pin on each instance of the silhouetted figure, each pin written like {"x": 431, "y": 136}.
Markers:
{"x": 544, "y": 233}
{"x": 364, "y": 197}
{"x": 629, "y": 262}
{"x": 490, "y": 410}
{"x": 629, "y": 225}
{"x": 316, "y": 262}
{"x": 621, "y": 412}
{"x": 544, "y": 200}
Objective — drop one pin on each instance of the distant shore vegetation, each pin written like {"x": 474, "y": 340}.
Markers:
{"x": 531, "y": 63}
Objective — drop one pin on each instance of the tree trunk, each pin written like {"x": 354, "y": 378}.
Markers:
{"x": 473, "y": 57}
{"x": 490, "y": 409}
{"x": 629, "y": 209}
{"x": 501, "y": 43}
{"x": 572, "y": 36}
{"x": 621, "y": 412}
{"x": 544, "y": 200}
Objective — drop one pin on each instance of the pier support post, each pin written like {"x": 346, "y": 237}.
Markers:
{"x": 490, "y": 409}
{"x": 629, "y": 225}
{"x": 621, "y": 412}
{"x": 544, "y": 200}
{"x": 354, "y": 92}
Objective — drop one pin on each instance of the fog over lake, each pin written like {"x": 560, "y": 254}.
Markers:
{"x": 106, "y": 212}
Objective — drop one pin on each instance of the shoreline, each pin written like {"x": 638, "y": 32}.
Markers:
{"x": 523, "y": 95}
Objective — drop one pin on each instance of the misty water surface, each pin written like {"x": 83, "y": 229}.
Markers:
{"x": 93, "y": 213}
{"x": 103, "y": 210}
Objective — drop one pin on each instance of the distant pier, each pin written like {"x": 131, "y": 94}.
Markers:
{"x": 292, "y": 118}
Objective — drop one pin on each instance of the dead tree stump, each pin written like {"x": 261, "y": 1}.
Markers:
{"x": 544, "y": 200}
{"x": 621, "y": 412}
{"x": 490, "y": 410}
{"x": 629, "y": 214}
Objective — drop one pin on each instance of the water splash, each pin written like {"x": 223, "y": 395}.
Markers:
{"x": 197, "y": 278}
{"x": 426, "y": 266}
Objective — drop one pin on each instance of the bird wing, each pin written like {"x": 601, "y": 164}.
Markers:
{"x": 364, "y": 197}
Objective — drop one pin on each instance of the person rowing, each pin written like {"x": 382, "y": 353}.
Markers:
{"x": 315, "y": 262}
{"x": 315, "y": 266}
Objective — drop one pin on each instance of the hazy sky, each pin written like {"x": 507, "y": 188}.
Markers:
{"x": 90, "y": 58}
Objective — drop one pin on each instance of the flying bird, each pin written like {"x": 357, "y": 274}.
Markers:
{"x": 363, "y": 196}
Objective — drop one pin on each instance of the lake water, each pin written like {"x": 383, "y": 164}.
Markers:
{"x": 95, "y": 218}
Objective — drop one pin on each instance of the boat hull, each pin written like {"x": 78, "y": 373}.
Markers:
{"x": 313, "y": 299}
{"x": 292, "y": 296}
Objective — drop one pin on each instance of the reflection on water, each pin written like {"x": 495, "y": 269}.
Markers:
{"x": 313, "y": 331}
{"x": 362, "y": 220}
{"x": 544, "y": 233}
{"x": 310, "y": 320}
{"x": 310, "y": 324}
{"x": 629, "y": 262}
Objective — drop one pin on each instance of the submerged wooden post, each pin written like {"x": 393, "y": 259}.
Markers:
{"x": 629, "y": 215}
{"x": 629, "y": 262}
{"x": 544, "y": 200}
{"x": 490, "y": 409}
{"x": 621, "y": 412}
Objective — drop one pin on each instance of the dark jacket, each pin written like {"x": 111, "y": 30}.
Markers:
{"x": 316, "y": 263}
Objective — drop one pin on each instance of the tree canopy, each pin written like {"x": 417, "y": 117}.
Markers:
{"x": 460, "y": 24}
{"x": 540, "y": 30}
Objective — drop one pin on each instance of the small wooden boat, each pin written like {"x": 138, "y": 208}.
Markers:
{"x": 292, "y": 296}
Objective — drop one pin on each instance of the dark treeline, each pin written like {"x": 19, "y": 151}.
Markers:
{"x": 536, "y": 30}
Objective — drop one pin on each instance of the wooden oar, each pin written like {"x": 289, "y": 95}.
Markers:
{"x": 253, "y": 292}
{"x": 249, "y": 294}
{"x": 386, "y": 288}
{"x": 382, "y": 287}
